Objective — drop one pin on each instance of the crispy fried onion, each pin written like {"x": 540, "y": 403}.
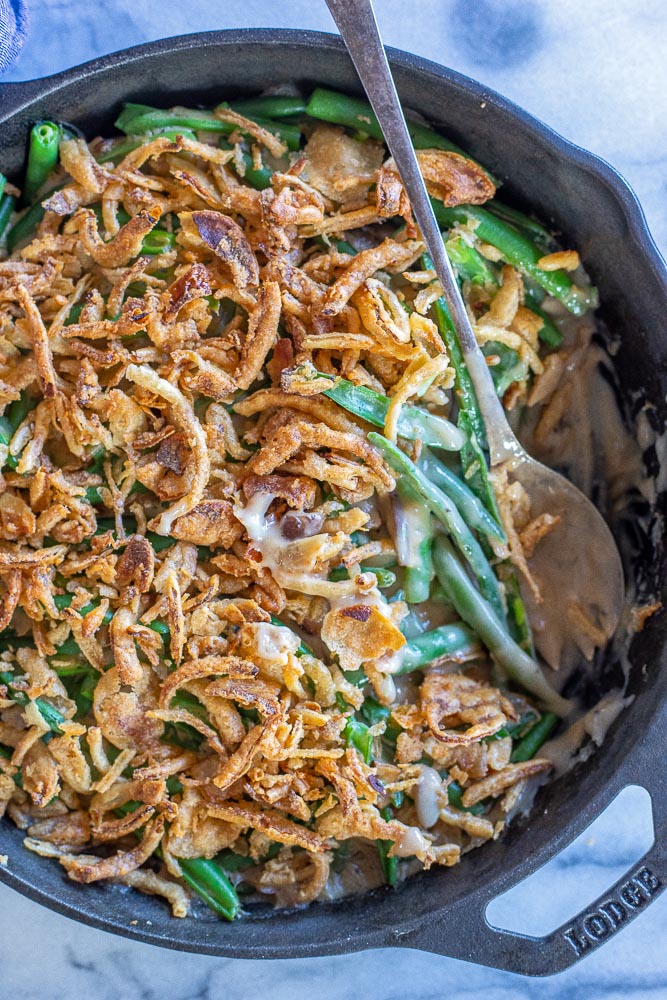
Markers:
{"x": 228, "y": 242}
{"x": 454, "y": 179}
{"x": 289, "y": 438}
{"x": 155, "y": 885}
{"x": 184, "y": 419}
{"x": 40, "y": 342}
{"x": 388, "y": 255}
{"x": 362, "y": 632}
{"x": 85, "y": 869}
{"x": 250, "y": 815}
{"x": 127, "y": 242}
{"x": 262, "y": 135}
{"x": 261, "y": 336}
{"x": 451, "y": 701}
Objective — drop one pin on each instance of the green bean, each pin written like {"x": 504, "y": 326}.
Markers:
{"x": 548, "y": 332}
{"x": 210, "y": 883}
{"x": 69, "y": 647}
{"x": 342, "y": 246}
{"x": 518, "y": 251}
{"x": 127, "y": 808}
{"x": 7, "y": 204}
{"x": 454, "y": 641}
{"x": 515, "y": 730}
{"x": 508, "y": 367}
{"x": 417, "y": 578}
{"x": 52, "y": 717}
{"x": 157, "y": 241}
{"x": 6, "y": 434}
{"x": 269, "y": 107}
{"x": 470, "y": 420}
{"x": 257, "y": 177}
{"x": 136, "y": 119}
{"x": 182, "y": 735}
{"x": 448, "y": 514}
{"x": 232, "y": 862}
{"x": 183, "y": 699}
{"x": 19, "y": 409}
{"x": 161, "y": 628}
{"x": 527, "y": 747}
{"x": 388, "y": 864}
{"x": 478, "y": 613}
{"x": 63, "y": 601}
{"x": 472, "y": 267}
{"x": 359, "y": 736}
{"x": 74, "y": 668}
{"x": 94, "y": 497}
{"x": 356, "y": 677}
{"x": 86, "y": 691}
{"x": 520, "y": 220}
{"x": 16, "y": 413}
{"x": 373, "y": 712}
{"x": 42, "y": 157}
{"x": 469, "y": 263}
{"x": 26, "y": 225}
{"x": 139, "y": 118}
{"x": 516, "y": 612}
{"x": 413, "y": 422}
{"x": 352, "y": 112}
{"x": 303, "y": 649}
{"x": 122, "y": 147}
{"x": 8, "y": 753}
{"x": 385, "y": 577}
{"x": 418, "y": 542}
{"x": 159, "y": 542}
{"x": 13, "y": 642}
{"x": 465, "y": 391}
{"x": 470, "y": 506}
{"x": 174, "y": 786}
{"x": 455, "y": 798}
{"x": 287, "y": 132}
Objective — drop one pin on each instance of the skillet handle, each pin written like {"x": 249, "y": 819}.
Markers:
{"x": 460, "y": 933}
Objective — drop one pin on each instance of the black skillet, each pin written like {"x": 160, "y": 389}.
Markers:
{"x": 442, "y": 911}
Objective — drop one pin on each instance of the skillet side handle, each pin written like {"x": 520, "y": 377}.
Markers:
{"x": 464, "y": 932}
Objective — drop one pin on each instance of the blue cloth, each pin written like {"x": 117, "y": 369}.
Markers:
{"x": 13, "y": 30}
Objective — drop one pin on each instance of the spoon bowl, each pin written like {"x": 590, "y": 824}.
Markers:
{"x": 576, "y": 568}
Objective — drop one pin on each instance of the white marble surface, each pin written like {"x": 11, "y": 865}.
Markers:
{"x": 596, "y": 71}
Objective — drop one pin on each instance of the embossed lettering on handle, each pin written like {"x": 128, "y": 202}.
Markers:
{"x": 595, "y": 926}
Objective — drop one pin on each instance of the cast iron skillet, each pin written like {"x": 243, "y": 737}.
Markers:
{"x": 441, "y": 911}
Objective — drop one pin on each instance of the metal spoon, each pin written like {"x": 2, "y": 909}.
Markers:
{"x": 577, "y": 565}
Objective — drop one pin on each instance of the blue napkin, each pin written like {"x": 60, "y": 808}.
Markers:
{"x": 13, "y": 30}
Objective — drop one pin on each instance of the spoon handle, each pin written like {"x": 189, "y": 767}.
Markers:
{"x": 358, "y": 28}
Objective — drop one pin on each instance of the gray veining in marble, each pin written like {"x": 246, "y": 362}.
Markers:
{"x": 596, "y": 70}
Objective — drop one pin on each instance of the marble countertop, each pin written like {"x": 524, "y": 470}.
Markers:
{"x": 596, "y": 71}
